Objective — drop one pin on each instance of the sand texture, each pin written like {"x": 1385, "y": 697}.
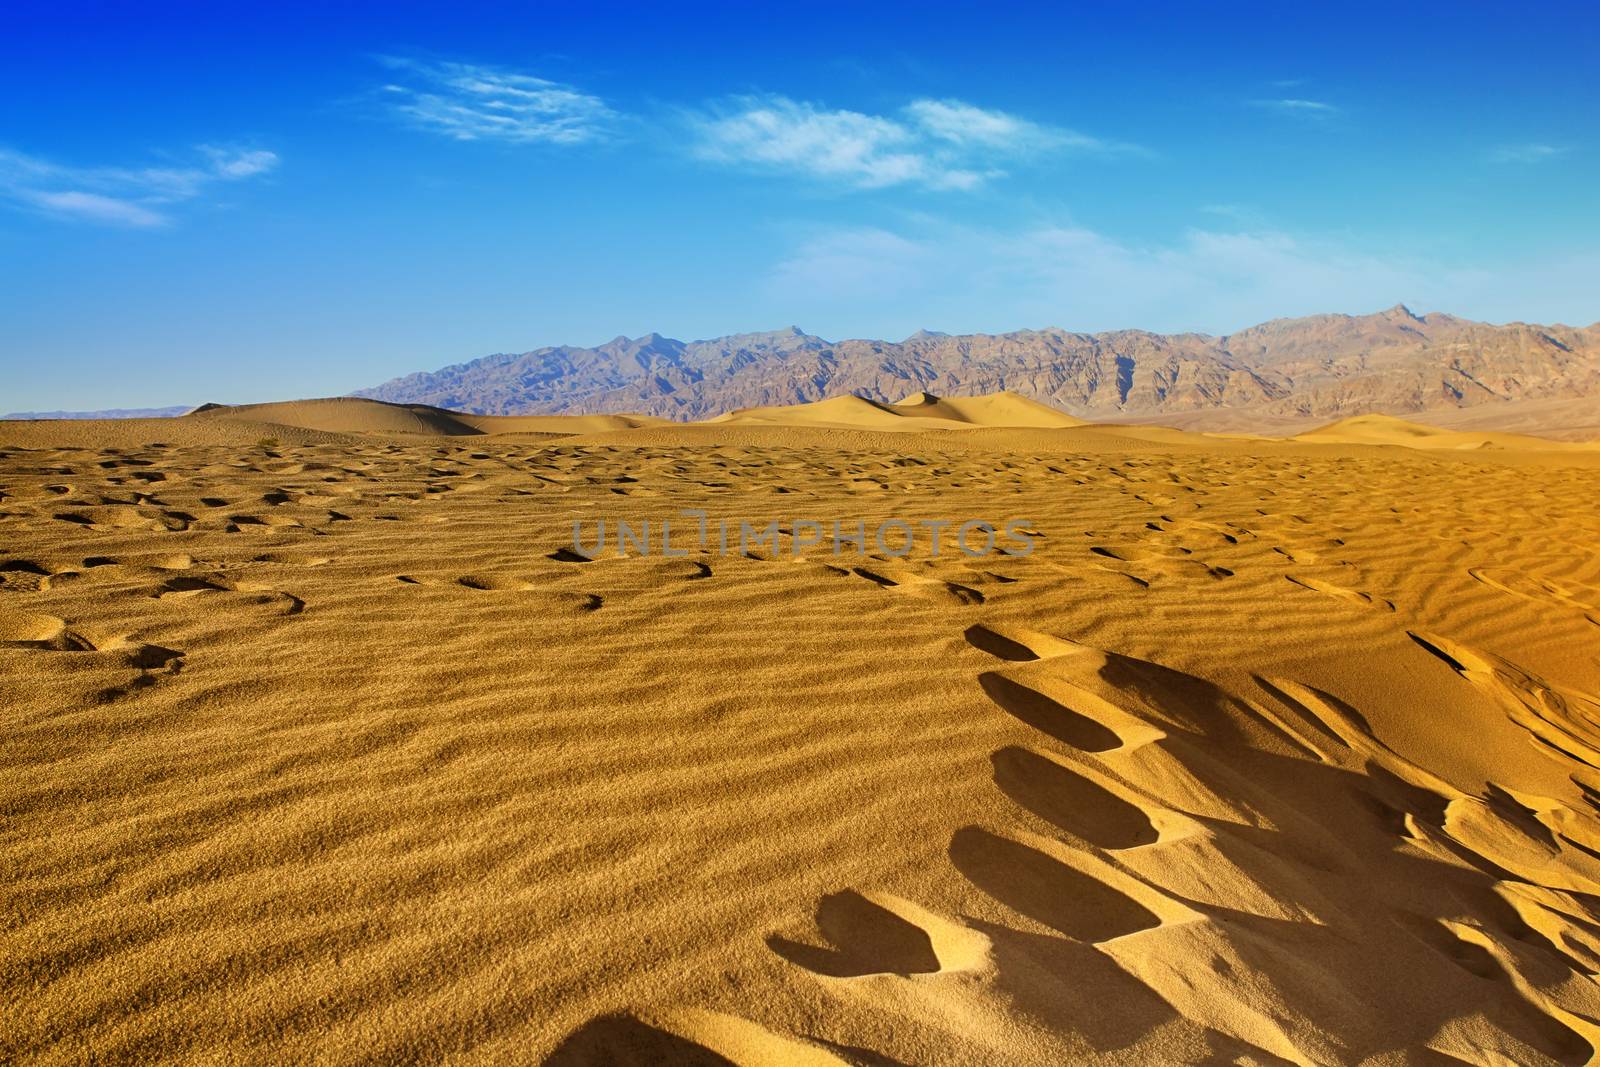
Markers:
{"x": 319, "y": 743}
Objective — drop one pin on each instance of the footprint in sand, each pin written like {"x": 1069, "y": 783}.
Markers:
{"x": 495, "y": 583}
{"x": 121, "y": 518}
{"x": 928, "y": 588}
{"x": 292, "y": 560}
{"x": 42, "y": 632}
{"x": 671, "y": 569}
{"x": 23, "y": 576}
{"x": 553, "y": 600}
{"x": 184, "y": 586}
{"x": 188, "y": 586}
{"x": 237, "y": 523}
{"x": 49, "y": 633}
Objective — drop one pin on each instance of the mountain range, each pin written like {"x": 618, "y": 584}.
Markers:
{"x": 1322, "y": 366}
{"x": 108, "y": 413}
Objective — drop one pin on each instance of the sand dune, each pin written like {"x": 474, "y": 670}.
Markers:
{"x": 1574, "y": 419}
{"x": 920, "y": 411}
{"x": 353, "y": 415}
{"x": 323, "y": 743}
{"x": 329, "y": 420}
{"x": 350, "y": 418}
{"x": 345, "y": 415}
{"x": 841, "y": 412}
{"x": 994, "y": 409}
{"x": 1388, "y": 430}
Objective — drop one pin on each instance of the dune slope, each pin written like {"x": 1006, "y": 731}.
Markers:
{"x": 344, "y": 415}
{"x": 993, "y": 409}
{"x": 919, "y": 411}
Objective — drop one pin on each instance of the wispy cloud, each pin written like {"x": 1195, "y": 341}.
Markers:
{"x": 938, "y": 144}
{"x": 966, "y": 125}
{"x": 782, "y": 134}
{"x": 123, "y": 196}
{"x": 1527, "y": 153}
{"x": 474, "y": 102}
{"x": 232, "y": 163}
{"x": 1299, "y": 107}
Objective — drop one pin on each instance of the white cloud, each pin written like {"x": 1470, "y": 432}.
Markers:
{"x": 92, "y": 207}
{"x": 473, "y": 102}
{"x": 118, "y": 195}
{"x": 1298, "y": 107}
{"x": 939, "y": 144}
{"x": 778, "y": 132}
{"x": 1527, "y": 153}
{"x": 234, "y": 163}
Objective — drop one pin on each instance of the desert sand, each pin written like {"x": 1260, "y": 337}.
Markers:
{"x": 319, "y": 743}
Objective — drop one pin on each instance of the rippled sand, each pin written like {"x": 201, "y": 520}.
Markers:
{"x": 333, "y": 750}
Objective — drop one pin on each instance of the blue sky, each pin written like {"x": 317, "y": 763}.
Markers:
{"x": 204, "y": 203}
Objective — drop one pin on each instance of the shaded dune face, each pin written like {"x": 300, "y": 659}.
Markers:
{"x": 1043, "y": 713}
{"x": 335, "y": 748}
{"x": 1073, "y": 803}
{"x": 868, "y": 939}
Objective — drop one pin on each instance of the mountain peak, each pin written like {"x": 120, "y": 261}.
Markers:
{"x": 1401, "y": 312}
{"x": 783, "y": 338}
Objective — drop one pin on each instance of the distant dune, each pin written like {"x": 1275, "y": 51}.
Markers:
{"x": 992, "y": 409}
{"x": 1387, "y": 430}
{"x": 345, "y": 415}
{"x": 992, "y": 421}
{"x": 1576, "y": 419}
{"x": 920, "y": 411}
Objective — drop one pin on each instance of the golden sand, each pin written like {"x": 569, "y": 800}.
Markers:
{"x": 328, "y": 747}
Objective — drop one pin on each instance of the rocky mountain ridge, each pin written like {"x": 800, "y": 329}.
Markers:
{"x": 1394, "y": 361}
